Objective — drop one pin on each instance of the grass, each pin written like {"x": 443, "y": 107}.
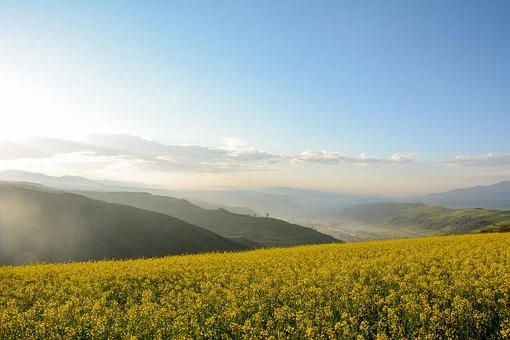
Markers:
{"x": 427, "y": 219}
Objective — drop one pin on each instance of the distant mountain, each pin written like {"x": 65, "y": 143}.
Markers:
{"x": 213, "y": 206}
{"x": 294, "y": 204}
{"x": 73, "y": 183}
{"x": 257, "y": 200}
{"x": 421, "y": 217}
{"x": 40, "y": 224}
{"x": 496, "y": 196}
{"x": 70, "y": 182}
{"x": 265, "y": 231}
{"x": 378, "y": 212}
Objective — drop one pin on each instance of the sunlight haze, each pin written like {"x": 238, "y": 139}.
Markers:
{"x": 383, "y": 98}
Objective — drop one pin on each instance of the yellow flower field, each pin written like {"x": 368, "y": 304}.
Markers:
{"x": 430, "y": 288}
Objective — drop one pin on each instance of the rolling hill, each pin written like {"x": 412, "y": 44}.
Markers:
{"x": 496, "y": 196}
{"x": 63, "y": 182}
{"x": 41, "y": 224}
{"x": 429, "y": 219}
{"x": 72, "y": 183}
{"x": 261, "y": 230}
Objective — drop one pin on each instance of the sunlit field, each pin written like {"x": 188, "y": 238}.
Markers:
{"x": 440, "y": 287}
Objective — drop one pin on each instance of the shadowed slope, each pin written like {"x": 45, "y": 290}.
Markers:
{"x": 262, "y": 230}
{"x": 40, "y": 225}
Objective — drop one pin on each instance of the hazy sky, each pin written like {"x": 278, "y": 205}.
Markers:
{"x": 359, "y": 96}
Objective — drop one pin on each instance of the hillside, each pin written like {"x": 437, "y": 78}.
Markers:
{"x": 430, "y": 219}
{"x": 44, "y": 225}
{"x": 73, "y": 183}
{"x": 454, "y": 287}
{"x": 63, "y": 182}
{"x": 261, "y": 230}
{"x": 496, "y": 196}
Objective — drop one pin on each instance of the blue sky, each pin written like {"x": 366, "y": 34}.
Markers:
{"x": 427, "y": 78}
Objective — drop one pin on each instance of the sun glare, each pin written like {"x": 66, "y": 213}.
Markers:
{"x": 28, "y": 107}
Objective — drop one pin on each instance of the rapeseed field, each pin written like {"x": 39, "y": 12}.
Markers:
{"x": 455, "y": 287}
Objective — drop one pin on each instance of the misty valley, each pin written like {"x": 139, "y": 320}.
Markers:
{"x": 254, "y": 170}
{"x": 60, "y": 219}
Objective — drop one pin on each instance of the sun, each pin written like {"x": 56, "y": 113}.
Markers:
{"x": 29, "y": 107}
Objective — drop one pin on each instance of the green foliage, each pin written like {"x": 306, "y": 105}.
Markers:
{"x": 429, "y": 219}
{"x": 500, "y": 228}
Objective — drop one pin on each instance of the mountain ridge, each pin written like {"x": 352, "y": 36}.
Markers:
{"x": 265, "y": 231}
{"x": 40, "y": 225}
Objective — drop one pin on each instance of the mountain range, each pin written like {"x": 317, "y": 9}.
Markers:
{"x": 264, "y": 231}
{"x": 238, "y": 219}
{"x": 39, "y": 224}
{"x": 81, "y": 183}
{"x": 496, "y": 196}
{"x": 288, "y": 203}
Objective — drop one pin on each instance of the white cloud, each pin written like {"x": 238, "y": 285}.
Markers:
{"x": 333, "y": 158}
{"x": 121, "y": 151}
{"x": 319, "y": 157}
{"x": 14, "y": 150}
{"x": 404, "y": 158}
{"x": 235, "y": 144}
{"x": 489, "y": 159}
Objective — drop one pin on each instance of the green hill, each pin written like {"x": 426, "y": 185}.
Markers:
{"x": 44, "y": 225}
{"x": 261, "y": 230}
{"x": 430, "y": 219}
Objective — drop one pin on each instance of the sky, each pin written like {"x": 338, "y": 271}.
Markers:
{"x": 393, "y": 97}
